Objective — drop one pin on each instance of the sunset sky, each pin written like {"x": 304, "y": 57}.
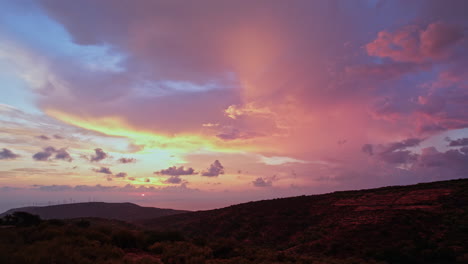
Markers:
{"x": 203, "y": 104}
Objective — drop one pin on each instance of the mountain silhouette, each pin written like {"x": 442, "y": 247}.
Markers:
{"x": 118, "y": 211}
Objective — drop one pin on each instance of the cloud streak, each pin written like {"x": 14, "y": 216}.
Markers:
{"x": 176, "y": 171}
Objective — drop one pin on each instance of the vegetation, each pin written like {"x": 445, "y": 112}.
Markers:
{"x": 425, "y": 223}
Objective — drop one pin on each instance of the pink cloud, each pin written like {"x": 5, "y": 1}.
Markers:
{"x": 413, "y": 44}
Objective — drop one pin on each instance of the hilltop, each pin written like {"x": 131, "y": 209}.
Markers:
{"x": 422, "y": 223}
{"x": 118, "y": 211}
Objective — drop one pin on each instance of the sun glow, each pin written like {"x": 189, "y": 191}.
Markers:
{"x": 177, "y": 143}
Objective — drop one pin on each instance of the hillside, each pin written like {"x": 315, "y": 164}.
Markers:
{"x": 423, "y": 223}
{"x": 119, "y": 211}
{"x": 418, "y": 224}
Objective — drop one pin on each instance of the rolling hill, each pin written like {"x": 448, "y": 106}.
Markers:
{"x": 418, "y": 224}
{"x": 118, "y": 211}
{"x": 423, "y": 223}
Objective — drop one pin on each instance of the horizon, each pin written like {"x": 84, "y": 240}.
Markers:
{"x": 202, "y": 105}
{"x": 66, "y": 202}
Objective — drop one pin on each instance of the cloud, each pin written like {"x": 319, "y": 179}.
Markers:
{"x": 95, "y": 188}
{"x": 9, "y": 189}
{"x": 368, "y": 149}
{"x": 434, "y": 164}
{"x": 53, "y": 188}
{"x": 410, "y": 142}
{"x": 127, "y": 160}
{"x": 43, "y": 137}
{"x": 120, "y": 175}
{"x": 44, "y": 155}
{"x": 234, "y": 134}
{"x": 58, "y": 137}
{"x": 210, "y": 125}
{"x": 214, "y": 170}
{"x": 261, "y": 182}
{"x": 174, "y": 180}
{"x": 395, "y": 152}
{"x": 103, "y": 170}
{"x": 398, "y": 157}
{"x": 459, "y": 142}
{"x": 294, "y": 72}
{"x": 7, "y": 154}
{"x": 176, "y": 171}
{"x": 413, "y": 44}
{"x": 100, "y": 155}
{"x": 104, "y": 188}
{"x": 62, "y": 154}
{"x": 278, "y": 160}
{"x": 238, "y": 111}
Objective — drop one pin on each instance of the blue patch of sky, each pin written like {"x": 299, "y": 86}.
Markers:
{"x": 14, "y": 91}
{"x": 24, "y": 22}
{"x": 441, "y": 141}
{"x": 168, "y": 87}
{"x": 29, "y": 25}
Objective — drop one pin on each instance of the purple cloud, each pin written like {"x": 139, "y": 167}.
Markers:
{"x": 214, "y": 170}
{"x": 62, "y": 154}
{"x": 176, "y": 171}
{"x": 100, "y": 155}
{"x": 459, "y": 142}
{"x": 43, "y": 137}
{"x": 103, "y": 170}
{"x": 48, "y": 152}
{"x": 174, "y": 180}
{"x": 127, "y": 160}
{"x": 261, "y": 182}
{"x": 7, "y": 154}
{"x": 44, "y": 155}
{"x": 120, "y": 175}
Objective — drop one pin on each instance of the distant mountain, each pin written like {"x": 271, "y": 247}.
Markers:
{"x": 423, "y": 223}
{"x": 119, "y": 211}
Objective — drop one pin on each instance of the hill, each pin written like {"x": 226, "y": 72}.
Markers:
{"x": 418, "y": 224}
{"x": 423, "y": 223}
{"x": 119, "y": 211}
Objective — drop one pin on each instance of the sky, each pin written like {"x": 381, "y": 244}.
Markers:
{"x": 204, "y": 104}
